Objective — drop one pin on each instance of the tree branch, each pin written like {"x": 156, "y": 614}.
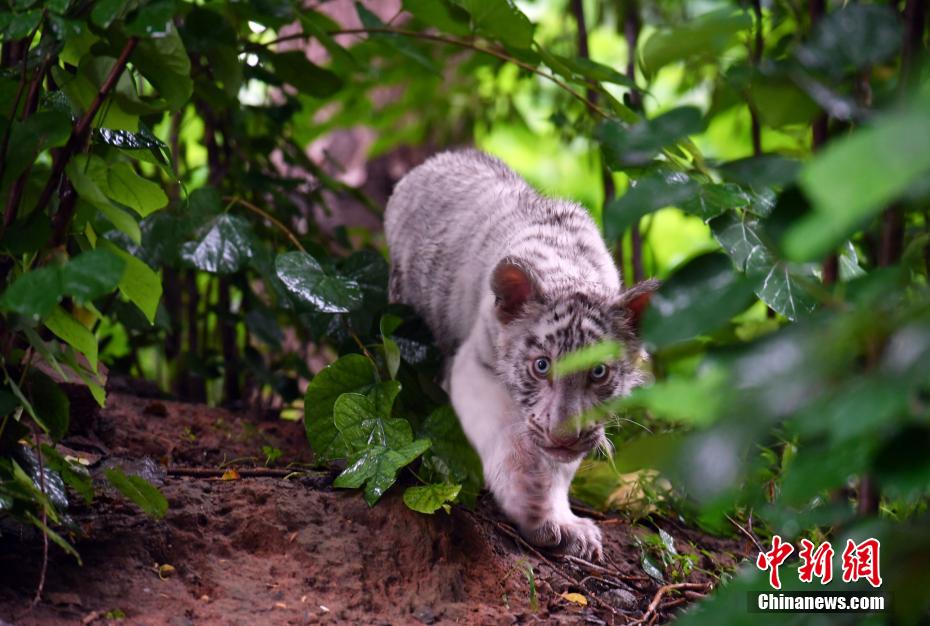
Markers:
{"x": 77, "y": 140}
{"x": 453, "y": 41}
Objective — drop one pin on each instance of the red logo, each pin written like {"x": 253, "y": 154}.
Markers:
{"x": 773, "y": 559}
{"x": 860, "y": 561}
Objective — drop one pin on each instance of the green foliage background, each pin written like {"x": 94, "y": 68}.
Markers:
{"x": 163, "y": 217}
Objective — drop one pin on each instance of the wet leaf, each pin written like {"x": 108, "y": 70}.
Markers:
{"x": 231, "y": 474}
{"x": 33, "y": 294}
{"x": 376, "y": 467}
{"x": 140, "y": 491}
{"x": 164, "y": 62}
{"x": 91, "y": 274}
{"x": 442, "y": 14}
{"x": 650, "y": 193}
{"x": 352, "y": 373}
{"x": 311, "y": 285}
{"x": 761, "y": 171}
{"x": 154, "y": 19}
{"x": 699, "y": 298}
{"x": 225, "y": 247}
{"x": 430, "y": 498}
{"x": 363, "y": 423}
{"x": 638, "y": 144}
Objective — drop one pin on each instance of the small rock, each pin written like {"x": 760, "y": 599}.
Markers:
{"x": 425, "y": 614}
{"x": 621, "y": 599}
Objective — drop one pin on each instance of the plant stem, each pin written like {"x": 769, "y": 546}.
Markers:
{"x": 264, "y": 214}
{"x": 76, "y": 143}
{"x": 755, "y": 126}
{"x": 452, "y": 41}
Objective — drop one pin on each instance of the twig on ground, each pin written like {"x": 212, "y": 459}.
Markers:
{"x": 652, "y": 610}
{"x": 746, "y": 532}
{"x": 257, "y": 472}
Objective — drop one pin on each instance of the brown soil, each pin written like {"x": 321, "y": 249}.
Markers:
{"x": 270, "y": 550}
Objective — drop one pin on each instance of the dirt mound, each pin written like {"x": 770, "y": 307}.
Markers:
{"x": 275, "y": 550}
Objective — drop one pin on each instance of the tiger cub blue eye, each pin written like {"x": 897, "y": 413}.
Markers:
{"x": 599, "y": 372}
{"x": 541, "y": 366}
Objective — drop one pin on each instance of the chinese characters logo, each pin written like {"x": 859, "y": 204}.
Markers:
{"x": 860, "y": 561}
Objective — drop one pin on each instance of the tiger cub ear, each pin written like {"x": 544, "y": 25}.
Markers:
{"x": 633, "y": 302}
{"x": 513, "y": 285}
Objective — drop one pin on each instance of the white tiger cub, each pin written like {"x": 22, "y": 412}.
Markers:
{"x": 508, "y": 281}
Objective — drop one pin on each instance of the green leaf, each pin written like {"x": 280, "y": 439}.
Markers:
{"x": 77, "y": 479}
{"x": 430, "y": 498}
{"x": 352, "y": 373}
{"x": 682, "y": 309}
{"x": 652, "y": 192}
{"x": 451, "y": 458}
{"x": 153, "y": 19}
{"x": 224, "y": 249}
{"x": 91, "y": 274}
{"x": 781, "y": 285}
{"x": 637, "y": 145}
{"x": 440, "y": 13}
{"x": 40, "y": 131}
{"x": 376, "y": 468}
{"x": 140, "y": 491}
{"x": 363, "y": 423}
{"x": 139, "y": 282}
{"x": 587, "y": 357}
{"x": 127, "y": 187}
{"x": 857, "y": 175}
{"x": 57, "y": 539}
{"x": 703, "y": 37}
{"x": 106, "y": 11}
{"x": 388, "y": 325}
{"x": 851, "y": 37}
{"x": 21, "y": 24}
{"x": 762, "y": 171}
{"x": 33, "y": 294}
{"x": 74, "y": 334}
{"x": 164, "y": 62}
{"x": 88, "y": 174}
{"x": 295, "y": 69}
{"x": 51, "y": 405}
{"x": 500, "y": 19}
{"x": 311, "y": 285}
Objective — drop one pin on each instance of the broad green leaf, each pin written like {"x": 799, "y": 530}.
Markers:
{"x": 575, "y": 68}
{"x": 652, "y": 192}
{"x": 500, "y": 19}
{"x": 75, "y": 334}
{"x": 311, "y": 285}
{"x": 762, "y": 171}
{"x": 105, "y": 12}
{"x": 362, "y": 423}
{"x": 451, "y": 458}
{"x": 127, "y": 187}
{"x": 715, "y": 198}
{"x": 77, "y": 479}
{"x": 88, "y": 174}
{"x": 395, "y": 43}
{"x": 225, "y": 247}
{"x": 587, "y": 357}
{"x": 295, "y": 69}
{"x": 352, "y": 373}
{"x": 139, "y": 282}
{"x": 91, "y": 274}
{"x": 19, "y": 25}
{"x": 57, "y": 539}
{"x": 699, "y": 298}
{"x": 50, "y": 403}
{"x": 153, "y": 19}
{"x": 442, "y": 14}
{"x": 140, "y": 491}
{"x": 637, "y": 145}
{"x": 377, "y": 467}
{"x": 782, "y": 285}
{"x": 33, "y": 294}
{"x": 702, "y": 37}
{"x": 164, "y": 62}
{"x": 430, "y": 498}
{"x": 851, "y": 37}
{"x": 858, "y": 175}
